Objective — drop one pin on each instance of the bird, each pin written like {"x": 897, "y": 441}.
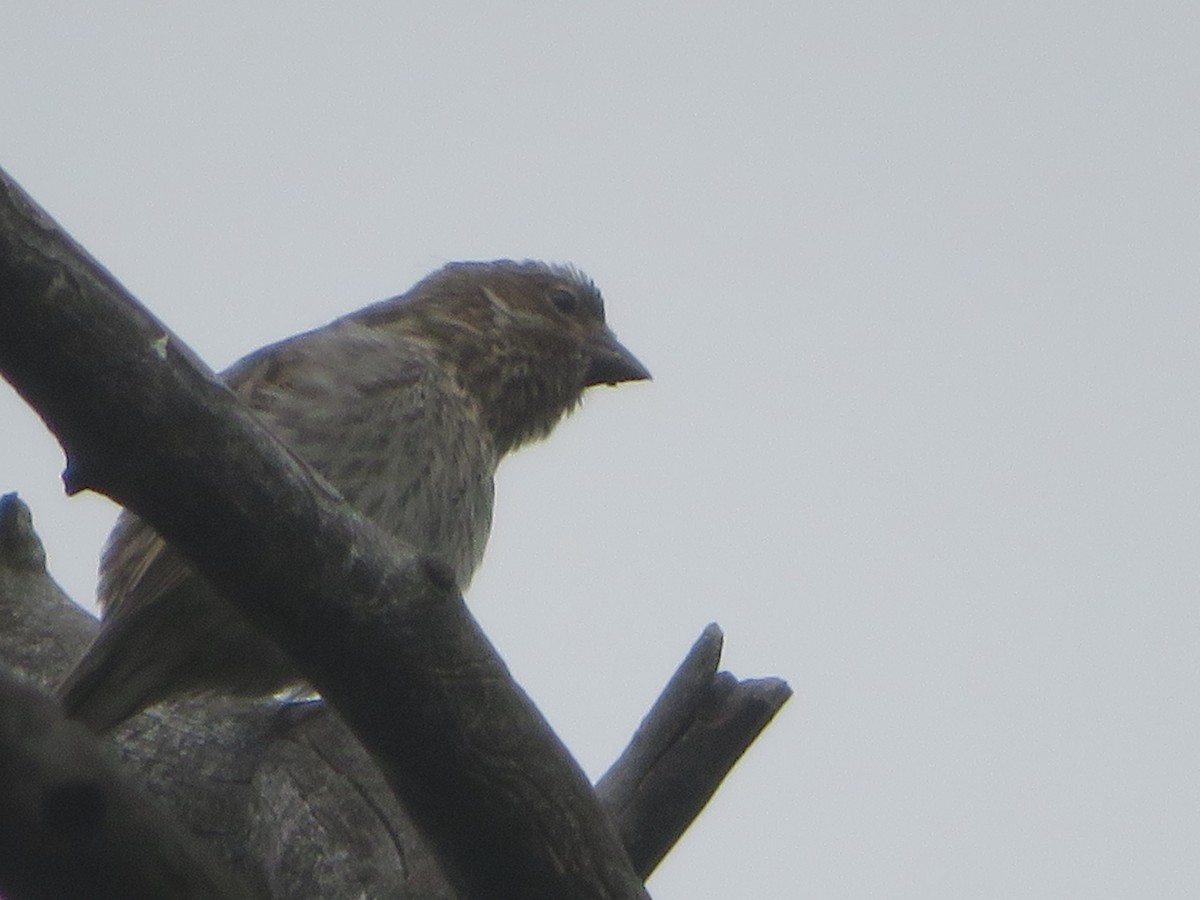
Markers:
{"x": 406, "y": 407}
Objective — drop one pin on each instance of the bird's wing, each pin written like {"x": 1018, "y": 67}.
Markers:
{"x": 425, "y": 476}
{"x": 137, "y": 565}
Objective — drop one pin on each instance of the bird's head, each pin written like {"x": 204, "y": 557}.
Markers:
{"x": 524, "y": 339}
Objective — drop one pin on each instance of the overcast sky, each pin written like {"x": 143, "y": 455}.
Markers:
{"x": 918, "y": 286}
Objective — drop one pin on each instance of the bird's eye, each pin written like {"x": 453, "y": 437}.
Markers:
{"x": 563, "y": 299}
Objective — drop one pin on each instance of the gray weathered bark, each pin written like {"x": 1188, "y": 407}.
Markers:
{"x": 503, "y": 809}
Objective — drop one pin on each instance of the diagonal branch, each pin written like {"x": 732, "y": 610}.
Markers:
{"x": 698, "y": 729}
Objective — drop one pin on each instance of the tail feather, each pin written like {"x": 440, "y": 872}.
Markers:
{"x": 105, "y": 688}
{"x": 185, "y": 642}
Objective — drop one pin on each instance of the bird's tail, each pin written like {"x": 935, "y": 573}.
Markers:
{"x": 188, "y": 642}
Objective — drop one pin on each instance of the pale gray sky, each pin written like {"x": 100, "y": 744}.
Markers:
{"x": 918, "y": 284}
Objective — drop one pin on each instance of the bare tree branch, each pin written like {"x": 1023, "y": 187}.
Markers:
{"x": 698, "y": 729}
{"x": 288, "y": 797}
{"x": 71, "y": 824}
{"x": 285, "y": 795}
{"x": 379, "y": 630}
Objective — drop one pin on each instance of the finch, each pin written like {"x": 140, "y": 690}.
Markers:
{"x": 406, "y": 406}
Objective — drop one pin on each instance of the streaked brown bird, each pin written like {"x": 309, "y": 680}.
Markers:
{"x": 407, "y": 407}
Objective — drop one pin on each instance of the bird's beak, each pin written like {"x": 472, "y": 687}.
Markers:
{"x": 611, "y": 363}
